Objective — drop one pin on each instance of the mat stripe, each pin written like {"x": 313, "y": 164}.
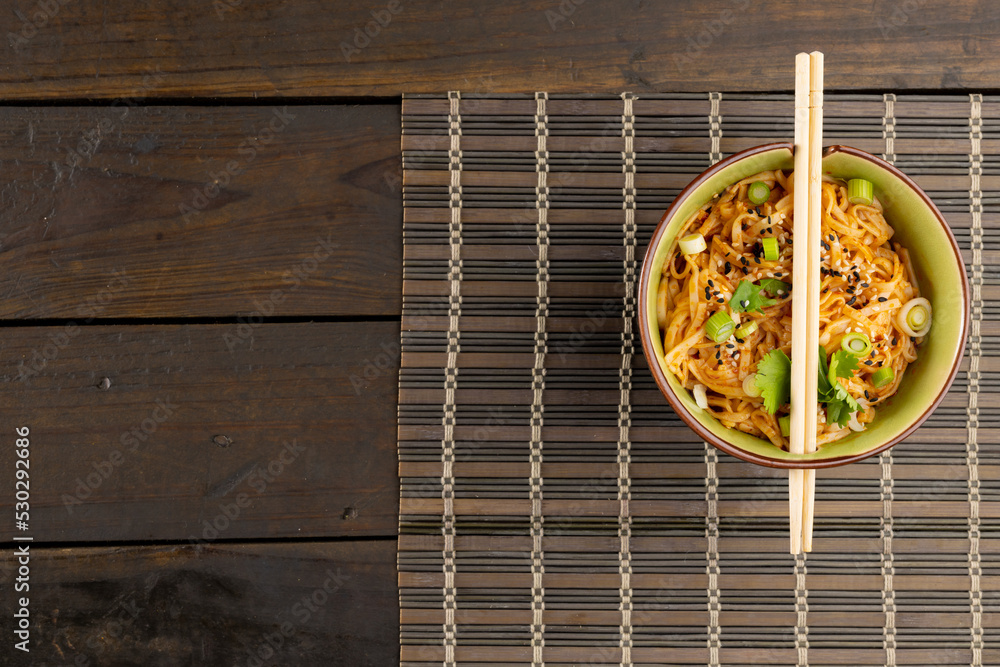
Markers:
{"x": 975, "y": 353}
{"x": 885, "y": 459}
{"x": 538, "y": 382}
{"x": 451, "y": 376}
{"x": 712, "y": 457}
{"x": 625, "y": 382}
{"x": 801, "y": 611}
{"x": 715, "y": 127}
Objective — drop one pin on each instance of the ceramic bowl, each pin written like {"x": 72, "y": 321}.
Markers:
{"x": 940, "y": 274}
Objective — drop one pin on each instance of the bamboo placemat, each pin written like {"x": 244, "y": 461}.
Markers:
{"x": 556, "y": 511}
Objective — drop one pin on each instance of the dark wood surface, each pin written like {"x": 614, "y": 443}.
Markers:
{"x": 156, "y": 99}
{"x": 274, "y": 48}
{"x": 200, "y": 211}
{"x": 312, "y": 603}
{"x": 189, "y": 432}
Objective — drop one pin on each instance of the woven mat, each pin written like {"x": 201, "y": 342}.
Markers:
{"x": 555, "y": 509}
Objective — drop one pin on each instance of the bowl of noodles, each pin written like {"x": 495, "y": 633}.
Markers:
{"x": 715, "y": 315}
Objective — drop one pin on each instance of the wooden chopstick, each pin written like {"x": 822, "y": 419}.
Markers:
{"x": 815, "y": 232}
{"x": 800, "y": 277}
{"x": 805, "y": 299}
{"x": 812, "y": 322}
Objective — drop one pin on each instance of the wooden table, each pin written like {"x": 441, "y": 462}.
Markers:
{"x": 201, "y": 227}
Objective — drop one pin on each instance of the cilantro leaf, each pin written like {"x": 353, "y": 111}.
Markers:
{"x": 824, "y": 370}
{"x": 840, "y": 405}
{"x": 774, "y": 379}
{"x": 837, "y": 413}
{"x": 747, "y": 298}
{"x": 842, "y": 364}
{"x": 772, "y": 286}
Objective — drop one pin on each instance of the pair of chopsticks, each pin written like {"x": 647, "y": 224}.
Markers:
{"x": 805, "y": 297}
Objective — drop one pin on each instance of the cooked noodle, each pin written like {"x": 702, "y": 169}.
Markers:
{"x": 865, "y": 281}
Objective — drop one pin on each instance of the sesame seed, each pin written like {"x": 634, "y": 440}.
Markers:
{"x": 894, "y": 341}
{"x": 721, "y": 300}
{"x": 729, "y": 266}
{"x": 868, "y": 362}
{"x": 882, "y": 299}
{"x": 730, "y": 346}
{"x": 851, "y": 301}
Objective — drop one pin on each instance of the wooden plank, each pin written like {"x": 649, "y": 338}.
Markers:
{"x": 274, "y": 48}
{"x": 289, "y": 432}
{"x": 217, "y": 605}
{"x": 200, "y": 211}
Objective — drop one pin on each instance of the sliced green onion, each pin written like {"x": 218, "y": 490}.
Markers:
{"x": 750, "y": 386}
{"x": 745, "y": 330}
{"x": 770, "y": 245}
{"x": 917, "y": 317}
{"x": 883, "y": 376}
{"x": 914, "y": 318}
{"x": 692, "y": 244}
{"x": 785, "y": 423}
{"x": 860, "y": 191}
{"x": 857, "y": 344}
{"x": 700, "y": 396}
{"x": 758, "y": 192}
{"x": 719, "y": 327}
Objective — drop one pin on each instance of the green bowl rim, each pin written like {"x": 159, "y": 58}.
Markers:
{"x": 659, "y": 374}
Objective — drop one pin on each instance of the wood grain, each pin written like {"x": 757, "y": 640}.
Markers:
{"x": 274, "y": 48}
{"x": 309, "y": 603}
{"x": 194, "y": 433}
{"x": 195, "y": 211}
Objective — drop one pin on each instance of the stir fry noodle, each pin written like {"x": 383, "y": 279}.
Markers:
{"x": 724, "y": 307}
